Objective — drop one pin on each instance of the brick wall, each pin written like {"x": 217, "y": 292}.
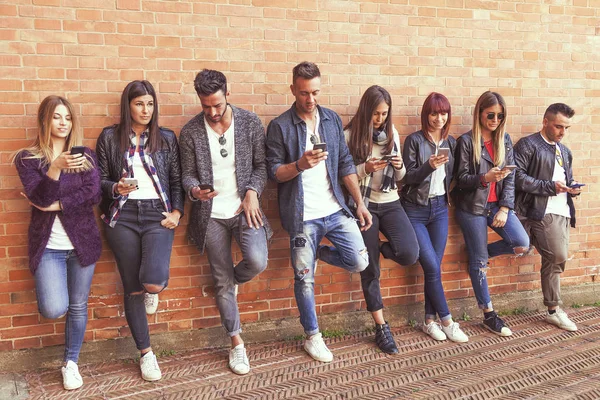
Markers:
{"x": 533, "y": 52}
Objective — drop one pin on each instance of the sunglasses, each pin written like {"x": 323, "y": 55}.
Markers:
{"x": 223, "y": 142}
{"x": 491, "y": 116}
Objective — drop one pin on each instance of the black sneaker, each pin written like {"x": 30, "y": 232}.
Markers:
{"x": 384, "y": 339}
{"x": 495, "y": 324}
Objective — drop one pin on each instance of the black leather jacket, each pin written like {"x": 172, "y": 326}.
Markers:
{"x": 469, "y": 194}
{"x": 415, "y": 154}
{"x": 535, "y": 159}
{"x": 166, "y": 162}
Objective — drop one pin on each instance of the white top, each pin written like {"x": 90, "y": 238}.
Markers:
{"x": 146, "y": 186}
{"x": 436, "y": 186}
{"x": 227, "y": 201}
{"x": 319, "y": 200}
{"x": 59, "y": 240}
{"x": 378, "y": 196}
{"x": 558, "y": 204}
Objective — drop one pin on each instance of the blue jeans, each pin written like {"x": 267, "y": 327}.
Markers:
{"x": 402, "y": 247}
{"x": 474, "y": 229}
{"x": 62, "y": 286}
{"x": 142, "y": 248}
{"x": 253, "y": 245}
{"x": 349, "y": 253}
{"x": 430, "y": 223}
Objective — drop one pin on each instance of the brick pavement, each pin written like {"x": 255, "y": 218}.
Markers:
{"x": 538, "y": 362}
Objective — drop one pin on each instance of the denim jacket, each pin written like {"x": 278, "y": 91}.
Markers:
{"x": 286, "y": 143}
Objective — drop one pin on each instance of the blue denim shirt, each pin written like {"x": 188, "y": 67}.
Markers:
{"x": 286, "y": 143}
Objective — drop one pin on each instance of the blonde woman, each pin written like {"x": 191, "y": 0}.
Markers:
{"x": 62, "y": 184}
{"x": 485, "y": 196}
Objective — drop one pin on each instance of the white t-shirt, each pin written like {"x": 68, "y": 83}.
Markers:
{"x": 558, "y": 204}
{"x": 319, "y": 200}
{"x": 436, "y": 185}
{"x": 146, "y": 185}
{"x": 59, "y": 240}
{"x": 227, "y": 202}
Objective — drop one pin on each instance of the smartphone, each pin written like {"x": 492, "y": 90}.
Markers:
{"x": 387, "y": 157}
{"x": 443, "y": 151}
{"x": 130, "y": 181}
{"x": 322, "y": 146}
{"x": 577, "y": 185}
{"x": 206, "y": 186}
{"x": 510, "y": 167}
{"x": 77, "y": 150}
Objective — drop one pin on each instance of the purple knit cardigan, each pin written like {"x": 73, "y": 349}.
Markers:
{"x": 77, "y": 193}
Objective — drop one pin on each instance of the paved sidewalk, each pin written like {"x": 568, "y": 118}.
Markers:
{"x": 538, "y": 362}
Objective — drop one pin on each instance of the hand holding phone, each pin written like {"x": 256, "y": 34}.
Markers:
{"x": 206, "y": 186}
{"x": 387, "y": 157}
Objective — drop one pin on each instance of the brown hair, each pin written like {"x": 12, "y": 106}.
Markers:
{"x": 306, "y": 70}
{"x": 361, "y": 125}
{"x": 123, "y": 131}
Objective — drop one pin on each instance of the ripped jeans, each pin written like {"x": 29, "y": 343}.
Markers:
{"x": 474, "y": 229}
{"x": 142, "y": 248}
{"x": 349, "y": 253}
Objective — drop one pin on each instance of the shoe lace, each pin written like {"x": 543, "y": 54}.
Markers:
{"x": 149, "y": 300}
{"x": 432, "y": 327}
{"x": 497, "y": 322}
{"x": 238, "y": 355}
{"x": 454, "y": 328}
{"x": 385, "y": 336}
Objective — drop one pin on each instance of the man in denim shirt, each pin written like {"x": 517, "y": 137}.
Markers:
{"x": 307, "y": 156}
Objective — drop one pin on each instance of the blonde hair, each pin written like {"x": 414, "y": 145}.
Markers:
{"x": 42, "y": 148}
{"x": 489, "y": 99}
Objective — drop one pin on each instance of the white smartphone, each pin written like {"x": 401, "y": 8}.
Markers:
{"x": 130, "y": 181}
{"x": 443, "y": 151}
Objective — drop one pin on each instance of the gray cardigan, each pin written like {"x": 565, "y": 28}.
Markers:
{"x": 196, "y": 165}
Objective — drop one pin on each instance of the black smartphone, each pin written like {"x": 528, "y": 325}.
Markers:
{"x": 510, "y": 167}
{"x": 322, "y": 146}
{"x": 387, "y": 157}
{"x": 206, "y": 186}
{"x": 77, "y": 150}
{"x": 577, "y": 185}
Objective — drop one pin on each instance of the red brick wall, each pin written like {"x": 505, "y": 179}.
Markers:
{"x": 531, "y": 52}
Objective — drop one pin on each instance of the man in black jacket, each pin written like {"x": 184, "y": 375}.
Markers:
{"x": 544, "y": 189}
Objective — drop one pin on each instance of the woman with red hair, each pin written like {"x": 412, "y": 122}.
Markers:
{"x": 429, "y": 158}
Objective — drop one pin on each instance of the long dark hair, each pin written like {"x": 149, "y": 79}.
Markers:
{"x": 361, "y": 125}
{"x": 132, "y": 90}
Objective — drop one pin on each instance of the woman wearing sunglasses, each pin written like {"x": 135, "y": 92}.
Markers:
{"x": 141, "y": 205}
{"x": 485, "y": 196}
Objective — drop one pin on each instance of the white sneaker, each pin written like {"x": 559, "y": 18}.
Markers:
{"x": 149, "y": 366}
{"x": 454, "y": 333}
{"x": 238, "y": 360}
{"x": 151, "y": 302}
{"x": 317, "y": 349}
{"x": 71, "y": 377}
{"x": 434, "y": 330}
{"x": 560, "y": 319}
